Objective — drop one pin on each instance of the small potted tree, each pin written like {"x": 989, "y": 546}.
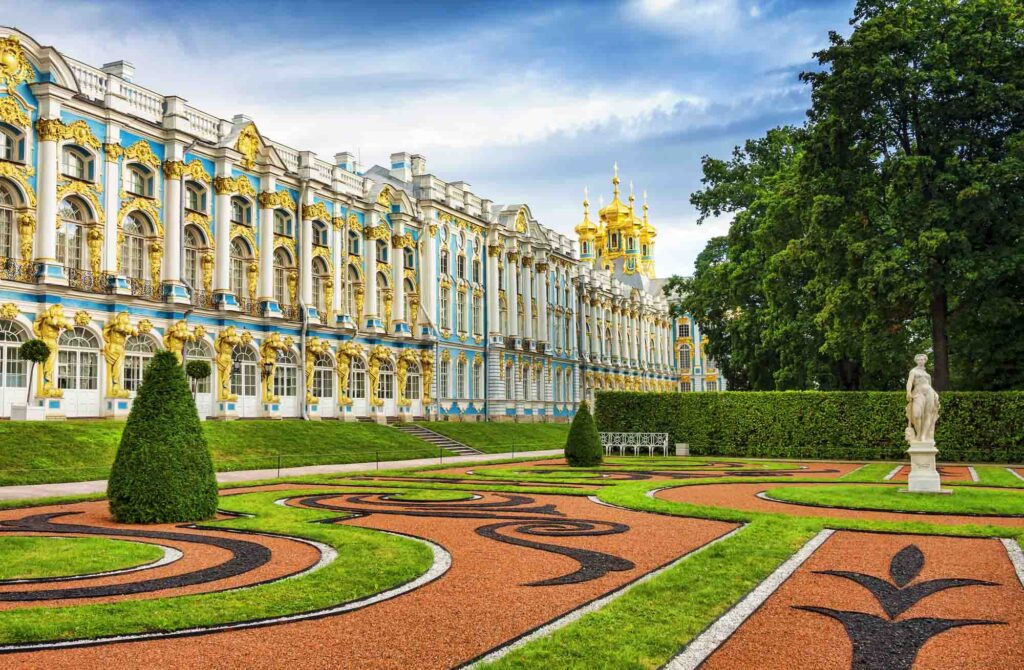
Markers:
{"x": 35, "y": 352}
{"x": 196, "y": 371}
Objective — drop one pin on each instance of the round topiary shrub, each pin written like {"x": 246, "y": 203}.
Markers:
{"x": 34, "y": 351}
{"x": 196, "y": 371}
{"x": 583, "y": 447}
{"x": 163, "y": 472}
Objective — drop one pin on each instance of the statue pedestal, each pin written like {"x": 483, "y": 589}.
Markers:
{"x": 226, "y": 410}
{"x": 118, "y": 408}
{"x": 270, "y": 410}
{"x": 924, "y": 476}
{"x": 313, "y": 411}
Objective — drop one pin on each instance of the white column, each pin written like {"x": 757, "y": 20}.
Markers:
{"x": 111, "y": 203}
{"x": 46, "y": 223}
{"x": 542, "y": 304}
{"x": 528, "y": 301}
{"x": 595, "y": 347}
{"x": 571, "y": 345}
{"x": 339, "y": 256}
{"x": 398, "y": 280}
{"x": 173, "y": 228}
{"x": 222, "y": 219}
{"x": 306, "y": 262}
{"x": 266, "y": 219}
{"x": 493, "y": 309}
{"x": 616, "y": 333}
{"x": 428, "y": 277}
{"x": 370, "y": 305}
{"x": 512, "y": 293}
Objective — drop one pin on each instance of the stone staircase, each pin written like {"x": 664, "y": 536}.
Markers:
{"x": 436, "y": 439}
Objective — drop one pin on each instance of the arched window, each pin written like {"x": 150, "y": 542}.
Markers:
{"x": 382, "y": 251}
{"x": 476, "y": 270}
{"x": 13, "y": 368}
{"x": 386, "y": 387}
{"x": 460, "y": 266}
{"x": 382, "y": 284}
{"x": 460, "y": 379}
{"x": 193, "y": 246}
{"x": 586, "y": 247}
{"x": 350, "y": 290}
{"x": 199, "y": 350}
{"x": 353, "y": 242}
{"x": 646, "y": 251}
{"x": 409, "y": 256}
{"x": 684, "y": 357}
{"x": 8, "y": 202}
{"x": 282, "y": 223}
{"x": 78, "y": 360}
{"x": 510, "y": 382}
{"x": 558, "y": 386}
{"x": 446, "y": 307}
{"x": 443, "y": 376}
{"x": 630, "y": 243}
{"x": 286, "y": 375}
{"x": 240, "y": 259}
{"x": 76, "y": 163}
{"x": 408, "y": 291}
{"x": 139, "y": 350}
{"x": 243, "y": 371}
{"x": 139, "y": 180}
{"x": 526, "y": 383}
{"x": 12, "y": 144}
{"x": 321, "y": 275}
{"x": 478, "y": 378}
{"x": 323, "y": 376}
{"x": 503, "y": 312}
{"x": 282, "y": 266}
{"x": 357, "y": 379}
{"x": 445, "y": 265}
{"x": 412, "y": 383}
{"x": 241, "y": 211}
{"x": 133, "y": 246}
{"x": 320, "y": 234}
{"x": 71, "y": 234}
{"x": 195, "y": 197}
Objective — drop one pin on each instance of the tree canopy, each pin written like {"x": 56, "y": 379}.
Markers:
{"x": 891, "y": 223}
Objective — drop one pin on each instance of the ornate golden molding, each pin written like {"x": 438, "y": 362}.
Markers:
{"x": 203, "y": 222}
{"x": 11, "y": 112}
{"x": 239, "y": 230}
{"x": 67, "y": 187}
{"x": 54, "y": 130}
{"x": 142, "y": 152}
{"x": 378, "y": 232}
{"x": 403, "y": 241}
{"x": 194, "y": 170}
{"x": 385, "y": 197}
{"x": 20, "y": 174}
{"x": 248, "y": 144}
{"x": 14, "y": 66}
{"x": 113, "y": 151}
{"x": 318, "y": 210}
{"x": 232, "y": 185}
{"x": 277, "y": 199}
{"x": 147, "y": 206}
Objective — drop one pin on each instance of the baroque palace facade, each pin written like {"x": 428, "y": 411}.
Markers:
{"x": 131, "y": 221}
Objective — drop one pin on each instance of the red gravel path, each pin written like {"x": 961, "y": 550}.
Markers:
{"x": 778, "y": 637}
{"x": 948, "y": 473}
{"x": 479, "y": 604}
{"x": 743, "y": 496}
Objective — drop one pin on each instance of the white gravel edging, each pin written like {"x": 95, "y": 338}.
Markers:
{"x": 1015, "y": 474}
{"x": 893, "y": 472}
{"x": 973, "y": 472}
{"x": 705, "y": 644}
{"x": 1016, "y": 557}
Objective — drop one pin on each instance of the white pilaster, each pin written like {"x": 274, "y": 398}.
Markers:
{"x": 222, "y": 232}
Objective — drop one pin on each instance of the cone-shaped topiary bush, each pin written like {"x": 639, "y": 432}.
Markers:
{"x": 163, "y": 472}
{"x": 583, "y": 448}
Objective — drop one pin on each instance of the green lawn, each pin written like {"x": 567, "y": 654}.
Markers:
{"x": 499, "y": 438}
{"x": 38, "y": 557}
{"x": 79, "y": 450}
{"x": 963, "y": 500}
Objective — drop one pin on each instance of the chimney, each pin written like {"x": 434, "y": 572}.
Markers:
{"x": 401, "y": 166}
{"x": 486, "y": 205}
{"x": 346, "y": 160}
{"x": 419, "y": 165}
{"x": 120, "y": 68}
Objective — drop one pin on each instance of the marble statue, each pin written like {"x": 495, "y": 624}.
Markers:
{"x": 922, "y": 403}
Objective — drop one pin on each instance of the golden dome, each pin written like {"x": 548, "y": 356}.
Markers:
{"x": 616, "y": 214}
{"x": 646, "y": 229}
{"x": 586, "y": 228}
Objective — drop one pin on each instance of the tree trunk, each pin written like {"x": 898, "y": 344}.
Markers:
{"x": 940, "y": 341}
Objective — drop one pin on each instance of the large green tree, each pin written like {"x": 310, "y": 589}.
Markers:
{"x": 892, "y": 222}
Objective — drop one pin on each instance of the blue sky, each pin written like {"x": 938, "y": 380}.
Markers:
{"x": 526, "y": 101}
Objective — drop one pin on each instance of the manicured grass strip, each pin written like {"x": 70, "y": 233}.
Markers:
{"x": 653, "y": 621}
{"x": 498, "y": 438}
{"x": 428, "y": 495}
{"x": 872, "y": 472}
{"x": 412, "y": 484}
{"x": 81, "y": 450}
{"x": 997, "y": 475}
{"x": 962, "y": 501}
{"x": 368, "y": 562}
{"x": 38, "y": 557}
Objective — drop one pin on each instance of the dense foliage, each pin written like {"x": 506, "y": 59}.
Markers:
{"x": 891, "y": 223}
{"x": 163, "y": 472}
{"x": 973, "y": 426}
{"x": 583, "y": 446}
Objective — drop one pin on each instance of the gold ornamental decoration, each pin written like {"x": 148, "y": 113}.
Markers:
{"x": 360, "y": 295}
{"x": 142, "y": 152}
{"x": 67, "y": 187}
{"x": 207, "y": 263}
{"x": 178, "y": 334}
{"x": 113, "y": 151}
{"x": 11, "y": 112}
{"x": 232, "y": 185}
{"x": 277, "y": 199}
{"x": 193, "y": 170}
{"x": 115, "y": 334}
{"x": 520, "y": 223}
{"x": 403, "y": 241}
{"x": 223, "y": 348}
{"x": 293, "y": 285}
{"x": 272, "y": 346}
{"x": 253, "y": 275}
{"x": 201, "y": 221}
{"x": 147, "y": 206}
{"x": 329, "y": 300}
{"x": 156, "y": 256}
{"x": 314, "y": 347}
{"x": 318, "y": 210}
{"x": 8, "y": 311}
{"x": 405, "y": 359}
{"x": 26, "y": 234}
{"x": 378, "y": 355}
{"x": 48, "y": 326}
{"x": 378, "y": 232}
{"x": 248, "y": 144}
{"x": 14, "y": 66}
{"x": 94, "y": 239}
{"x": 343, "y": 362}
{"x": 385, "y": 197}
{"x": 20, "y": 174}
{"x": 427, "y": 370}
{"x": 388, "y": 298}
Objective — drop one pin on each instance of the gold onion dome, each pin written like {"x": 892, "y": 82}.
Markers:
{"x": 647, "y": 230}
{"x": 586, "y": 227}
{"x": 616, "y": 214}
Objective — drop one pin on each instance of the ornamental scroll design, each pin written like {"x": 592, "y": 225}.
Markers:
{"x": 193, "y": 170}
{"x": 277, "y": 199}
{"x": 54, "y": 130}
{"x": 12, "y": 114}
{"x": 15, "y": 69}
{"x": 231, "y": 185}
{"x": 142, "y": 152}
{"x": 248, "y": 144}
{"x": 20, "y": 174}
{"x": 317, "y": 210}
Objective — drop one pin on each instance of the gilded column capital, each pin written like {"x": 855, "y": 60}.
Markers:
{"x": 113, "y": 151}
{"x": 49, "y": 130}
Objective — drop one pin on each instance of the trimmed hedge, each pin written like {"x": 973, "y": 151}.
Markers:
{"x": 973, "y": 426}
{"x": 583, "y": 446}
{"x": 163, "y": 472}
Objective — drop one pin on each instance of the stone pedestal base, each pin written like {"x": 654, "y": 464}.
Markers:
{"x": 118, "y": 408}
{"x": 225, "y": 410}
{"x": 270, "y": 410}
{"x": 924, "y": 477}
{"x": 53, "y": 407}
{"x": 313, "y": 411}
{"x": 27, "y": 412}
